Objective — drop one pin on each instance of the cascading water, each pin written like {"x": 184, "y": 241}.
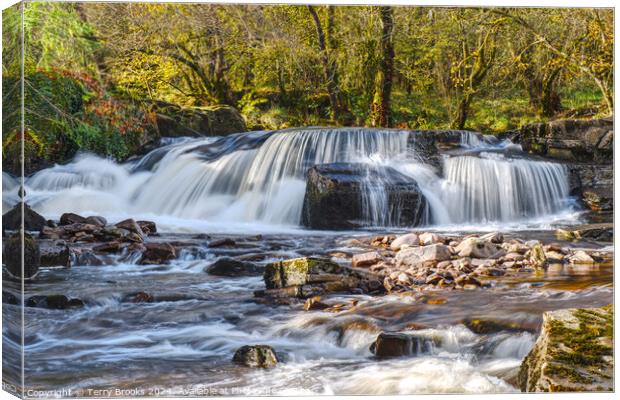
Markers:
{"x": 260, "y": 177}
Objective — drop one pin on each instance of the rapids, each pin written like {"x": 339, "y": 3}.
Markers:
{"x": 258, "y": 180}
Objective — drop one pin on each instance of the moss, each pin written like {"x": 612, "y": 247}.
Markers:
{"x": 295, "y": 271}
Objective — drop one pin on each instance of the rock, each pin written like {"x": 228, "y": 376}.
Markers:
{"x": 413, "y": 256}
{"x": 257, "y": 356}
{"x": 479, "y": 248}
{"x": 431, "y": 238}
{"x": 71, "y": 218}
{"x": 53, "y": 302}
{"x": 334, "y": 196}
{"x": 314, "y": 303}
{"x": 366, "y": 259}
{"x": 158, "y": 253}
{"x": 592, "y": 183}
{"x": 130, "y": 225}
{"x": 225, "y": 242}
{"x": 537, "y": 256}
{"x": 390, "y": 344}
{"x": 173, "y": 120}
{"x": 9, "y": 298}
{"x": 603, "y": 232}
{"x": 148, "y": 227}
{"x": 13, "y": 251}
{"x": 575, "y": 140}
{"x": 139, "y": 297}
{"x": 55, "y": 254}
{"x": 580, "y": 257}
{"x": 109, "y": 247}
{"x": 33, "y": 221}
{"x": 573, "y": 353}
{"x": 493, "y": 237}
{"x": 88, "y": 259}
{"x": 485, "y": 326}
{"x": 96, "y": 220}
{"x": 296, "y": 272}
{"x": 410, "y": 239}
{"x": 227, "y": 266}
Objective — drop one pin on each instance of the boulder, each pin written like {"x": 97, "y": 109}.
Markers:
{"x": 493, "y": 237}
{"x": 148, "y": 227}
{"x": 366, "y": 259}
{"x": 13, "y": 251}
{"x": 573, "y": 353}
{"x": 53, "y": 302}
{"x": 296, "y": 272}
{"x": 410, "y": 239}
{"x": 390, "y": 344}
{"x": 96, "y": 220}
{"x": 593, "y": 184}
{"x": 335, "y": 196}
{"x": 173, "y": 120}
{"x": 223, "y": 242}
{"x": 158, "y": 253}
{"x": 537, "y": 257}
{"x": 227, "y": 266}
{"x": 603, "y": 232}
{"x": 570, "y": 139}
{"x": 131, "y": 225}
{"x": 257, "y": 356}
{"x": 33, "y": 221}
{"x": 479, "y": 248}
{"x": 412, "y": 256}
{"x": 580, "y": 257}
{"x": 71, "y": 218}
{"x": 431, "y": 238}
{"x": 55, "y": 254}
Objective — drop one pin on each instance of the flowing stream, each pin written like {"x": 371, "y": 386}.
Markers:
{"x": 240, "y": 185}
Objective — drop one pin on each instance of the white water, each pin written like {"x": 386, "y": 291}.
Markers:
{"x": 259, "y": 180}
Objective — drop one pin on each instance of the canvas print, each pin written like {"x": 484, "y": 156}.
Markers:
{"x": 274, "y": 200}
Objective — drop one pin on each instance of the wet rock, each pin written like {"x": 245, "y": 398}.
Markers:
{"x": 13, "y": 251}
{"x": 599, "y": 232}
{"x": 413, "y": 256}
{"x": 71, "y": 218}
{"x": 410, "y": 239}
{"x": 139, "y": 297}
{"x": 148, "y": 227}
{"x": 333, "y": 198}
{"x": 464, "y": 280}
{"x": 573, "y": 353}
{"x": 485, "y": 326}
{"x": 227, "y": 266}
{"x": 478, "y": 248}
{"x": 493, "y": 237}
{"x": 87, "y": 258}
{"x": 158, "y": 253}
{"x": 580, "y": 257}
{"x": 109, "y": 247}
{"x": 12, "y": 220}
{"x": 389, "y": 344}
{"x": 53, "y": 302}
{"x": 257, "y": 356}
{"x": 366, "y": 259}
{"x": 315, "y": 303}
{"x": 225, "y": 242}
{"x": 296, "y": 272}
{"x": 96, "y": 220}
{"x": 131, "y": 225}
{"x": 9, "y": 298}
{"x": 55, "y": 255}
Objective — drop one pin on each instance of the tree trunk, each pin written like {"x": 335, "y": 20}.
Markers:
{"x": 329, "y": 70}
{"x": 380, "y": 112}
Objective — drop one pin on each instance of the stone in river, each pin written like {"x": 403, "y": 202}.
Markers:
{"x": 581, "y": 257}
{"x": 296, "y": 271}
{"x": 55, "y": 254}
{"x": 158, "y": 253}
{"x": 227, "y": 266}
{"x": 71, "y": 218}
{"x": 130, "y": 225}
{"x": 390, "y": 344}
{"x": 13, "y": 255}
{"x": 224, "y": 242}
{"x": 410, "y": 239}
{"x": 315, "y": 303}
{"x": 573, "y": 353}
{"x": 96, "y": 220}
{"x": 431, "y": 238}
{"x": 366, "y": 259}
{"x": 148, "y": 227}
{"x": 256, "y": 356}
{"x": 415, "y": 255}
{"x": 53, "y": 302}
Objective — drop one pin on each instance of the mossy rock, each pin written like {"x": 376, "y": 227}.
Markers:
{"x": 574, "y": 352}
{"x": 295, "y": 272}
{"x": 13, "y": 255}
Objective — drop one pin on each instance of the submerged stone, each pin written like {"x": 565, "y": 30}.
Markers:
{"x": 257, "y": 356}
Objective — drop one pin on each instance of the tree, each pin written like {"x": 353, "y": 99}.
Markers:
{"x": 380, "y": 113}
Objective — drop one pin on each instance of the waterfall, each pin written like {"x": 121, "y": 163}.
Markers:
{"x": 490, "y": 187}
{"x": 259, "y": 177}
